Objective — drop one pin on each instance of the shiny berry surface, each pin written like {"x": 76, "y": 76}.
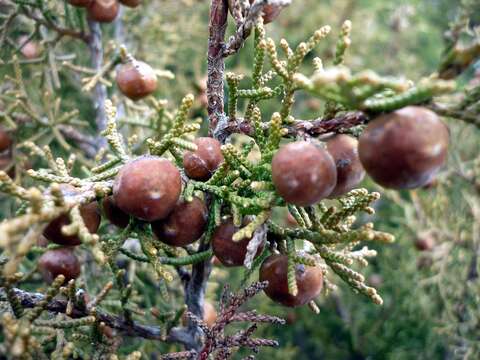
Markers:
{"x": 350, "y": 172}
{"x": 303, "y": 174}
{"x": 185, "y": 224}
{"x": 103, "y": 10}
{"x": 136, "y": 80}
{"x": 202, "y": 163}
{"x": 147, "y": 188}
{"x": 114, "y": 214}
{"x": 309, "y": 281}
{"x": 404, "y": 149}
{"x": 230, "y": 253}
{"x": 61, "y": 261}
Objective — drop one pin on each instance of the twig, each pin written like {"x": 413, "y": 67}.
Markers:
{"x": 100, "y": 91}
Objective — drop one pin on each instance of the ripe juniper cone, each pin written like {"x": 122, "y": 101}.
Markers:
{"x": 209, "y": 315}
{"x": 114, "y": 214}
{"x": 5, "y": 140}
{"x": 202, "y": 163}
{"x": 147, "y": 188}
{"x": 80, "y": 3}
{"x": 350, "y": 172}
{"x": 103, "y": 10}
{"x": 425, "y": 241}
{"x": 185, "y": 224}
{"x": 90, "y": 215}
{"x": 303, "y": 173}
{"x": 404, "y": 149}
{"x": 229, "y": 252}
{"x": 61, "y": 261}
{"x": 270, "y": 12}
{"x": 130, "y": 3}
{"x": 309, "y": 281}
{"x": 136, "y": 79}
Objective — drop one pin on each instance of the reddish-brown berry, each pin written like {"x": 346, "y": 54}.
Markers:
{"x": 209, "y": 315}
{"x": 270, "y": 12}
{"x": 29, "y": 50}
{"x": 350, "y": 172}
{"x": 425, "y": 241}
{"x": 185, "y": 224}
{"x": 309, "y": 281}
{"x": 229, "y": 252}
{"x": 303, "y": 174}
{"x": 131, "y": 3}
{"x": 404, "y": 149}
{"x": 61, "y": 261}
{"x": 91, "y": 217}
{"x": 5, "y": 140}
{"x": 103, "y": 10}
{"x": 90, "y": 214}
{"x": 80, "y": 3}
{"x": 147, "y": 188}
{"x": 136, "y": 80}
{"x": 114, "y": 214}
{"x": 202, "y": 163}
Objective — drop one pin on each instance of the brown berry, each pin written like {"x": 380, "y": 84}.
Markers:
{"x": 5, "y": 140}
{"x": 114, "y": 214}
{"x": 229, "y": 252}
{"x": 425, "y": 241}
{"x": 185, "y": 224}
{"x": 103, "y": 10}
{"x": 61, "y": 261}
{"x": 80, "y": 3}
{"x": 404, "y": 149}
{"x": 209, "y": 315}
{"x": 309, "y": 281}
{"x": 350, "y": 172}
{"x": 202, "y": 163}
{"x": 29, "y": 50}
{"x": 91, "y": 217}
{"x": 130, "y": 3}
{"x": 147, "y": 188}
{"x": 136, "y": 80}
{"x": 270, "y": 12}
{"x": 303, "y": 174}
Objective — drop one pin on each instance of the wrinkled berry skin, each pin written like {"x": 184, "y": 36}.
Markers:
{"x": 350, "y": 172}
{"x": 404, "y": 149}
{"x": 5, "y": 140}
{"x": 303, "y": 174}
{"x": 61, "y": 261}
{"x": 104, "y": 11}
{"x": 90, "y": 214}
{"x": 147, "y": 188}
{"x": 230, "y": 253}
{"x": 185, "y": 224}
{"x": 130, "y": 3}
{"x": 202, "y": 163}
{"x": 270, "y": 12}
{"x": 80, "y": 3}
{"x": 114, "y": 214}
{"x": 136, "y": 80}
{"x": 309, "y": 281}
